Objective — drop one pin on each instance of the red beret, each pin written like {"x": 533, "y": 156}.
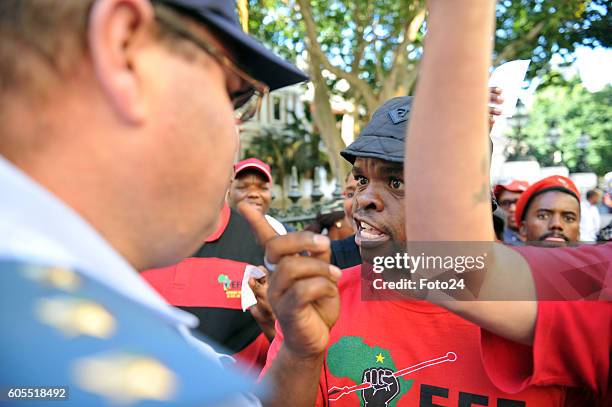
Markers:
{"x": 553, "y": 183}
{"x": 514, "y": 186}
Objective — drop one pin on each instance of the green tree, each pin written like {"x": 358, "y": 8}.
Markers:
{"x": 376, "y": 46}
{"x": 565, "y": 115}
{"x": 537, "y": 29}
{"x": 364, "y": 43}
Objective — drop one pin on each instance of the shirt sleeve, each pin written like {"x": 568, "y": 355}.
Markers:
{"x": 572, "y": 338}
{"x": 272, "y": 350}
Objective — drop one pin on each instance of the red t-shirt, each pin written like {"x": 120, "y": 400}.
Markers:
{"x": 434, "y": 354}
{"x": 209, "y": 284}
{"x": 572, "y": 339}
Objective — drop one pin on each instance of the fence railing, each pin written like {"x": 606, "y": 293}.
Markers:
{"x": 299, "y": 215}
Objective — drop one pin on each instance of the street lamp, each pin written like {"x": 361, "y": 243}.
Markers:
{"x": 518, "y": 149}
{"x": 519, "y": 117}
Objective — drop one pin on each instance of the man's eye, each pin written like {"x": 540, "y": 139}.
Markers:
{"x": 570, "y": 219}
{"x": 396, "y": 183}
{"x": 361, "y": 180}
{"x": 542, "y": 216}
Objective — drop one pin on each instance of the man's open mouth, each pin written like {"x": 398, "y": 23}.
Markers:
{"x": 368, "y": 233}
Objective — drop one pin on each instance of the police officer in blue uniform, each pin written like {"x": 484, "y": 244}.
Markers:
{"x": 117, "y": 137}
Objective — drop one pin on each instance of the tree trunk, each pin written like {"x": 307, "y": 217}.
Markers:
{"x": 397, "y": 82}
{"x": 243, "y": 14}
{"x": 326, "y": 122}
{"x": 509, "y": 53}
{"x": 323, "y": 114}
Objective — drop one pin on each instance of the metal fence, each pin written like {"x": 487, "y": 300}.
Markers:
{"x": 298, "y": 215}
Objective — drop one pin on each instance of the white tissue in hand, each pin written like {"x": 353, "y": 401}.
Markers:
{"x": 247, "y": 296}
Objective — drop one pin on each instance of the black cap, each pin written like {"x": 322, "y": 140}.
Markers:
{"x": 384, "y": 136}
{"x": 254, "y": 58}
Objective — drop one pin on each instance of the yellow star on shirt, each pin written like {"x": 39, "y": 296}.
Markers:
{"x": 380, "y": 358}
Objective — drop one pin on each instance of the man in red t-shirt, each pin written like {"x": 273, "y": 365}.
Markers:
{"x": 383, "y": 352}
{"x": 446, "y": 148}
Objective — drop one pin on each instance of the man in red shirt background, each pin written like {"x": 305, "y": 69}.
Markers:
{"x": 548, "y": 212}
{"x": 507, "y": 196}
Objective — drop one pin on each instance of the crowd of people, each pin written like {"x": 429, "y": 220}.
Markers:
{"x": 140, "y": 265}
{"x": 551, "y": 211}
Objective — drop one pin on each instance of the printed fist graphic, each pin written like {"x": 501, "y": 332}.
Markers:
{"x": 384, "y": 388}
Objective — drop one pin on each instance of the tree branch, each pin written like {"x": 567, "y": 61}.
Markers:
{"x": 410, "y": 78}
{"x": 326, "y": 122}
{"x": 318, "y": 55}
{"x": 400, "y": 56}
{"x": 361, "y": 42}
{"x": 511, "y": 50}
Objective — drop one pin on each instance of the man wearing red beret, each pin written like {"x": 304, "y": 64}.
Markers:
{"x": 507, "y": 196}
{"x": 548, "y": 212}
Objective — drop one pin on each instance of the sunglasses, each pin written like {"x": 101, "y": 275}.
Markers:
{"x": 246, "y": 101}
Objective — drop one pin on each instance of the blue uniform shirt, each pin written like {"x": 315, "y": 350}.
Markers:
{"x": 75, "y": 313}
{"x": 61, "y": 328}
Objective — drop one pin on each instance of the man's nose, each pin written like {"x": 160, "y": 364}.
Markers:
{"x": 253, "y": 193}
{"x": 555, "y": 222}
{"x": 369, "y": 198}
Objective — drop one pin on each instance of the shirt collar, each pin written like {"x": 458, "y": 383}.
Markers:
{"x": 223, "y": 222}
{"x": 43, "y": 229}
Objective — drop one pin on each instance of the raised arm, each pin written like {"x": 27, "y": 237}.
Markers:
{"x": 448, "y": 150}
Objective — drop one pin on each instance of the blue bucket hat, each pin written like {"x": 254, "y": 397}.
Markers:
{"x": 384, "y": 136}
{"x": 254, "y": 58}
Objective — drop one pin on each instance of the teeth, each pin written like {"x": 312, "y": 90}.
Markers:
{"x": 369, "y": 231}
{"x": 371, "y": 235}
{"x": 367, "y": 227}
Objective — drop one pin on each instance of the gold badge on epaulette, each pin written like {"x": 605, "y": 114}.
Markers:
{"x": 57, "y": 277}
{"x": 125, "y": 378}
{"x": 75, "y": 316}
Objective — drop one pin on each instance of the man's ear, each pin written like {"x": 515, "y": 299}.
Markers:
{"x": 117, "y": 34}
{"x": 523, "y": 230}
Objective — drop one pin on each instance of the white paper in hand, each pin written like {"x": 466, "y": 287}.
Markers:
{"x": 509, "y": 77}
{"x": 247, "y": 297}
